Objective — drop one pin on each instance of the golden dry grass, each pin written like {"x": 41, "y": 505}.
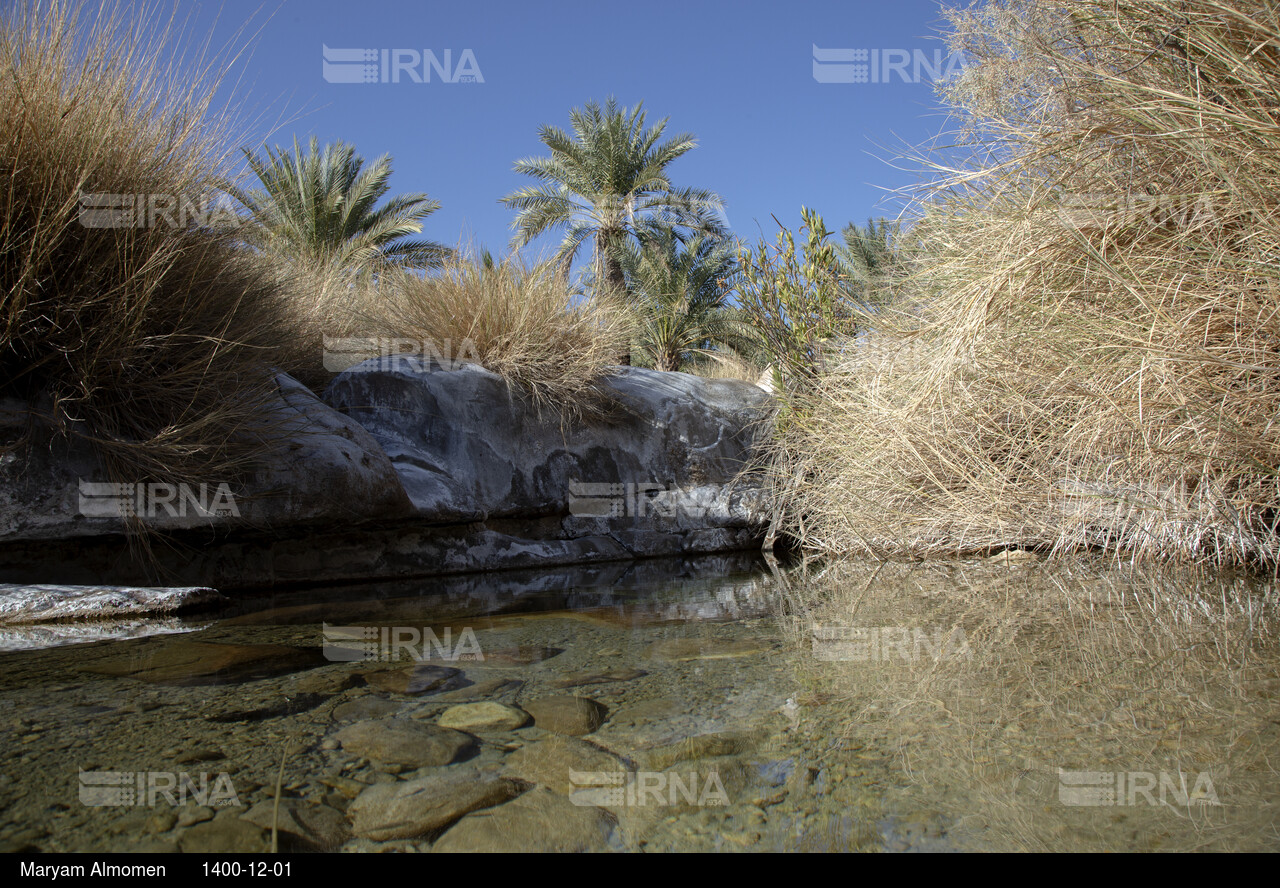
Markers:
{"x": 1092, "y": 358}
{"x": 151, "y": 342}
{"x": 520, "y": 321}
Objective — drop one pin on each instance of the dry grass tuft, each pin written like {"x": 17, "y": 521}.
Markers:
{"x": 517, "y": 320}
{"x": 1095, "y": 356}
{"x": 151, "y": 341}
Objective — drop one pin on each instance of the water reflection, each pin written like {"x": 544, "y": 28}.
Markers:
{"x": 1084, "y": 706}
{"x": 936, "y": 706}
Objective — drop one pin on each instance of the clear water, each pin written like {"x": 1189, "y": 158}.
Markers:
{"x": 930, "y": 707}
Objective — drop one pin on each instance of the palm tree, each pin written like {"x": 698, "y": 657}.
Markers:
{"x": 869, "y": 262}
{"x": 321, "y": 207}
{"x": 679, "y": 296}
{"x": 607, "y": 183}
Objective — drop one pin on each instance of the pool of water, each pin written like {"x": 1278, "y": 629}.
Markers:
{"x": 712, "y": 704}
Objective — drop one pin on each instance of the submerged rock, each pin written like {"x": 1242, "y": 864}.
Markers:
{"x": 483, "y": 717}
{"x": 567, "y": 715}
{"x": 318, "y": 827}
{"x": 411, "y": 808}
{"x": 367, "y": 707}
{"x": 184, "y": 662}
{"x": 578, "y": 679}
{"x": 557, "y": 761}
{"x": 416, "y": 679}
{"x": 538, "y": 821}
{"x": 398, "y": 741}
{"x": 229, "y": 835}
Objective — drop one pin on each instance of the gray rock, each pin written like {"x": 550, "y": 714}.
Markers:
{"x": 492, "y": 687}
{"x": 325, "y": 468}
{"x": 466, "y": 447}
{"x": 398, "y": 741}
{"x": 416, "y": 470}
{"x": 412, "y": 808}
{"x": 45, "y": 602}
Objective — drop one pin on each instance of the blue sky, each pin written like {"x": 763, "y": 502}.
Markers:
{"x": 738, "y": 75}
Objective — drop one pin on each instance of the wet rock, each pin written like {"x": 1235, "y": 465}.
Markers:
{"x": 412, "y": 808}
{"x": 483, "y": 717}
{"x": 364, "y": 708}
{"x": 676, "y": 650}
{"x": 184, "y": 662}
{"x": 574, "y": 716}
{"x": 38, "y": 603}
{"x": 578, "y": 679}
{"x": 537, "y": 821}
{"x": 551, "y": 761}
{"x": 326, "y": 682}
{"x": 705, "y": 787}
{"x": 192, "y": 816}
{"x": 226, "y": 836}
{"x": 692, "y": 748}
{"x": 161, "y": 821}
{"x": 203, "y": 754}
{"x": 345, "y": 785}
{"x": 154, "y": 846}
{"x": 398, "y": 741}
{"x": 422, "y": 679}
{"x": 317, "y": 827}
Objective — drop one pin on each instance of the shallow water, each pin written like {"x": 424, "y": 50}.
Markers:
{"x": 938, "y": 707}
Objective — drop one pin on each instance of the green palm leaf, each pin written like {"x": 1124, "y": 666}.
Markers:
{"x": 321, "y": 206}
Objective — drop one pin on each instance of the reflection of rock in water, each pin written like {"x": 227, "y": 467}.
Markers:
{"x": 46, "y": 635}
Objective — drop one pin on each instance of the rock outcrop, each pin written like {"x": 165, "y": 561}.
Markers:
{"x": 409, "y": 469}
